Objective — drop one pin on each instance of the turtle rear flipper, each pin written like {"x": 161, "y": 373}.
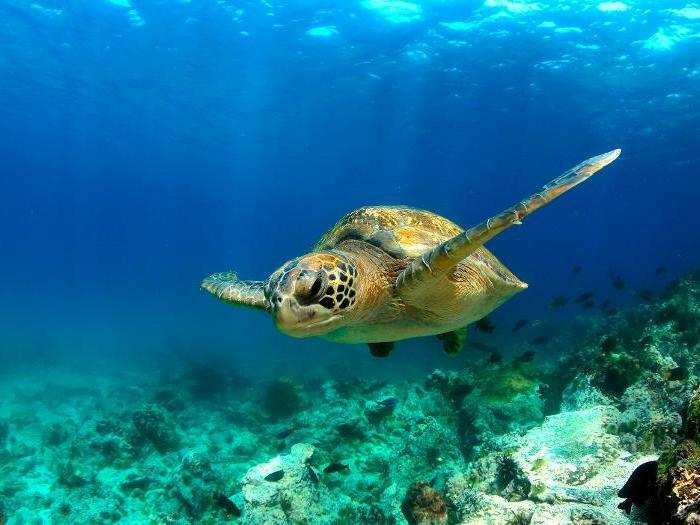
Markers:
{"x": 381, "y": 350}
{"x": 435, "y": 263}
{"x": 453, "y": 342}
{"x": 230, "y": 289}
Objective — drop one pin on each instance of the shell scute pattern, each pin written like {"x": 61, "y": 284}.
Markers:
{"x": 405, "y": 232}
{"x": 398, "y": 230}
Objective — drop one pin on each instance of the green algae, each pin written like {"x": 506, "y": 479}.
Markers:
{"x": 282, "y": 398}
{"x": 507, "y": 382}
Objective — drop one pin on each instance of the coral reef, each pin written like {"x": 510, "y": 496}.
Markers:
{"x": 518, "y": 439}
{"x": 677, "y": 498}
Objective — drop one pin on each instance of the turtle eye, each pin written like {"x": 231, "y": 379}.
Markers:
{"x": 308, "y": 287}
{"x": 316, "y": 287}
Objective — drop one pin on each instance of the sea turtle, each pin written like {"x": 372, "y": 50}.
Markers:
{"x": 387, "y": 273}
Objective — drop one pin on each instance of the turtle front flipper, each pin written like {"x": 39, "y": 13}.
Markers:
{"x": 453, "y": 342}
{"x": 380, "y": 349}
{"x": 435, "y": 263}
{"x": 230, "y": 289}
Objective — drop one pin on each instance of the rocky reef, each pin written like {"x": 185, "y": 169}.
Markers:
{"x": 539, "y": 438}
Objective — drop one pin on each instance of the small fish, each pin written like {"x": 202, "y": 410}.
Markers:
{"x": 610, "y": 311}
{"x": 520, "y": 323}
{"x": 485, "y": 325}
{"x": 661, "y": 270}
{"x": 494, "y": 358}
{"x": 617, "y": 282}
{"x": 576, "y": 269}
{"x": 585, "y": 296}
{"x": 484, "y": 347}
{"x": 285, "y": 433}
{"x": 526, "y": 357}
{"x": 137, "y": 483}
{"x": 389, "y": 402}
{"x": 675, "y": 374}
{"x": 640, "y": 486}
{"x": 275, "y": 476}
{"x": 646, "y": 340}
{"x": 539, "y": 340}
{"x": 336, "y": 466}
{"x": 608, "y": 344}
{"x": 222, "y": 501}
{"x": 588, "y": 305}
{"x": 645, "y": 295}
{"x": 350, "y": 431}
{"x": 312, "y": 474}
{"x": 558, "y": 302}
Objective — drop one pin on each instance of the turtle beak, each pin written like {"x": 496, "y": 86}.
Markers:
{"x": 291, "y": 318}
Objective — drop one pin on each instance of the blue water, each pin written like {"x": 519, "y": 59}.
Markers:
{"x": 148, "y": 144}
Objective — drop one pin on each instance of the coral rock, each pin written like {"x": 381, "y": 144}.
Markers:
{"x": 282, "y": 398}
{"x": 423, "y": 505}
{"x": 153, "y": 424}
{"x": 680, "y": 499}
{"x": 293, "y": 497}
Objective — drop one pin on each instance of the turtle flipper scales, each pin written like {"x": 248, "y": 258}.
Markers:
{"x": 435, "y": 263}
{"x": 230, "y": 289}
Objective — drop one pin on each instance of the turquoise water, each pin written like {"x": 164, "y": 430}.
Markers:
{"x": 147, "y": 145}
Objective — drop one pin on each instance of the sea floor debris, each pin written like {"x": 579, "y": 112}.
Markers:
{"x": 545, "y": 440}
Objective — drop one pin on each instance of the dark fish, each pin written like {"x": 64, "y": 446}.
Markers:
{"x": 284, "y": 433}
{"x": 588, "y": 305}
{"x": 520, "y": 323}
{"x": 137, "y": 483}
{"x": 494, "y": 358}
{"x": 585, "y": 296}
{"x": 336, "y": 466}
{"x": 539, "y": 340}
{"x": 576, "y": 269}
{"x": 610, "y": 311}
{"x": 389, "y": 402}
{"x": 608, "y": 344}
{"x": 640, "y": 486}
{"x": 312, "y": 474}
{"x": 526, "y": 357}
{"x": 617, "y": 282}
{"x": 558, "y": 302}
{"x": 350, "y": 431}
{"x": 645, "y": 295}
{"x": 646, "y": 340}
{"x": 484, "y": 347}
{"x": 605, "y": 304}
{"x": 275, "y": 476}
{"x": 675, "y": 374}
{"x": 222, "y": 501}
{"x": 661, "y": 270}
{"x": 485, "y": 325}
{"x": 461, "y": 390}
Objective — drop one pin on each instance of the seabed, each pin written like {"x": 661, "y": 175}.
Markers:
{"x": 519, "y": 440}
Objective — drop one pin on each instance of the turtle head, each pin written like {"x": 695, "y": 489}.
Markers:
{"x": 312, "y": 295}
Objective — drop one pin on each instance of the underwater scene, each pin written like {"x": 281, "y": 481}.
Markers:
{"x": 419, "y": 262}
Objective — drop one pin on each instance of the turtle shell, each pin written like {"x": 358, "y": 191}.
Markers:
{"x": 405, "y": 232}
{"x": 398, "y": 230}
